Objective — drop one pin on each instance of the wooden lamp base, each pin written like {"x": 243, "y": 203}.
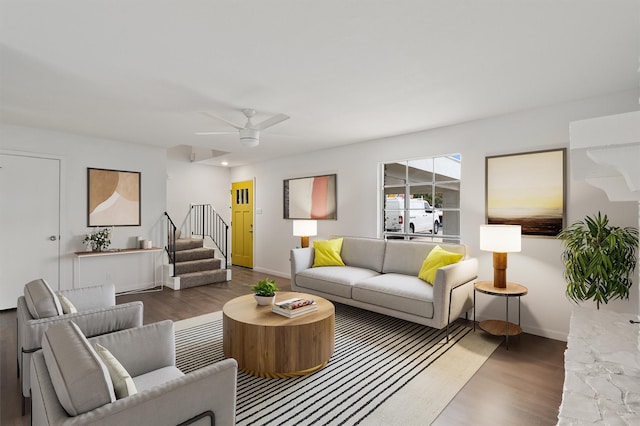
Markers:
{"x": 499, "y": 270}
{"x": 304, "y": 242}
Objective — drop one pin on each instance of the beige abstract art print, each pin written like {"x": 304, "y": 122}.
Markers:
{"x": 113, "y": 198}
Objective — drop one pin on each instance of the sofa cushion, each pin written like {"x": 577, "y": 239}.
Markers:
{"x": 437, "y": 258}
{"x": 336, "y": 280}
{"x": 123, "y": 385}
{"x": 365, "y": 253}
{"x": 41, "y": 300}
{"x": 156, "y": 377}
{"x": 406, "y": 257}
{"x": 79, "y": 377}
{"x": 327, "y": 253}
{"x": 399, "y": 292}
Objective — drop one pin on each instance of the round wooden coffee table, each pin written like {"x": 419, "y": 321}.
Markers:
{"x": 266, "y": 344}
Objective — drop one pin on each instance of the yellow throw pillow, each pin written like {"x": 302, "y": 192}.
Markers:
{"x": 327, "y": 253}
{"x": 437, "y": 258}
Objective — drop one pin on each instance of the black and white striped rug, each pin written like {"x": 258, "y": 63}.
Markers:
{"x": 375, "y": 356}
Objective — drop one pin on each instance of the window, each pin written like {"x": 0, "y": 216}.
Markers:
{"x": 421, "y": 199}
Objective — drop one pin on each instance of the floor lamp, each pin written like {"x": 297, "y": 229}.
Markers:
{"x": 500, "y": 239}
{"x": 305, "y": 229}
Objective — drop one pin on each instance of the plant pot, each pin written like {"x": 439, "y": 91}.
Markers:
{"x": 265, "y": 300}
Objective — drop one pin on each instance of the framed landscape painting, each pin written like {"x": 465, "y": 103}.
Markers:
{"x": 310, "y": 198}
{"x": 527, "y": 189}
{"x": 113, "y": 198}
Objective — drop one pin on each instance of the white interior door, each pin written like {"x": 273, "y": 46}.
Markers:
{"x": 29, "y": 224}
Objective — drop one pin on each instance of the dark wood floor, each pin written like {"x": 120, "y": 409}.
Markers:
{"x": 520, "y": 386}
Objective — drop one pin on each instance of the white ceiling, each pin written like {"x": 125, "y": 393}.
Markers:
{"x": 343, "y": 70}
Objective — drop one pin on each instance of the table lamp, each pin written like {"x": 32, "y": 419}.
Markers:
{"x": 305, "y": 229}
{"x": 500, "y": 239}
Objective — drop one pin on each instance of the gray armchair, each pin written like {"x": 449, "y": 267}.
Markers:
{"x": 69, "y": 386}
{"x": 97, "y": 313}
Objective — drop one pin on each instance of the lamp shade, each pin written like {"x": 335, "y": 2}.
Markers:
{"x": 305, "y": 228}
{"x": 500, "y": 238}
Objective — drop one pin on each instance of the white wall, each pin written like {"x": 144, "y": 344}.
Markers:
{"x": 78, "y": 153}
{"x": 545, "y": 310}
{"x": 194, "y": 183}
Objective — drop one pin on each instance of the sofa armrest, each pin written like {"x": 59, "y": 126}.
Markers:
{"x": 143, "y": 349}
{"x": 453, "y": 286}
{"x": 89, "y": 298}
{"x": 301, "y": 259}
{"x": 210, "y": 388}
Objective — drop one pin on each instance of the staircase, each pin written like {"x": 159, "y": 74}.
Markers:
{"x": 197, "y": 265}
{"x": 191, "y": 262}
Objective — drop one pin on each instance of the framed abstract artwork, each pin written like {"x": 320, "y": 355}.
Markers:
{"x": 113, "y": 198}
{"x": 310, "y": 198}
{"x": 527, "y": 189}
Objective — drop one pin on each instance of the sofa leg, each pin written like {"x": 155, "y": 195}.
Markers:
{"x": 23, "y": 403}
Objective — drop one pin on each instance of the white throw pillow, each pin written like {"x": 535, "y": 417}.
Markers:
{"x": 67, "y": 306}
{"x": 122, "y": 382}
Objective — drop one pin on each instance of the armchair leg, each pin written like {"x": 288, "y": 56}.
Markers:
{"x": 23, "y": 403}
{"x": 208, "y": 413}
{"x": 17, "y": 352}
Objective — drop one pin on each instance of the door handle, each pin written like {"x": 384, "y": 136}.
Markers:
{"x": 53, "y": 238}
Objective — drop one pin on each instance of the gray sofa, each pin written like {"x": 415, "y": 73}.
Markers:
{"x": 97, "y": 314}
{"x": 65, "y": 376}
{"x": 382, "y": 276}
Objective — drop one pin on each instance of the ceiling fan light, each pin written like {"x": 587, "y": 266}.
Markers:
{"x": 249, "y": 137}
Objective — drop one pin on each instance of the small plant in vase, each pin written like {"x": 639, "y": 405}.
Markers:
{"x": 265, "y": 291}
{"x": 98, "y": 240}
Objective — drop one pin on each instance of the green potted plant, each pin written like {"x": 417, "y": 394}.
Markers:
{"x": 265, "y": 291}
{"x": 599, "y": 259}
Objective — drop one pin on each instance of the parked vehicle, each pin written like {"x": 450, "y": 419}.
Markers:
{"x": 422, "y": 217}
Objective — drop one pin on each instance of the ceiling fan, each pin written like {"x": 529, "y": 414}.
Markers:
{"x": 250, "y": 133}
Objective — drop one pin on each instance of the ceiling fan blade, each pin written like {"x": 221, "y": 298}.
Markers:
{"x": 270, "y": 122}
{"x": 210, "y": 115}
{"x": 215, "y": 133}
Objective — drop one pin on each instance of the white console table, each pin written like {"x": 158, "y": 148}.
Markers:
{"x": 128, "y": 275}
{"x": 602, "y": 369}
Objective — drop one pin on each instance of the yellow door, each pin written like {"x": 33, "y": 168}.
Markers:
{"x": 242, "y": 224}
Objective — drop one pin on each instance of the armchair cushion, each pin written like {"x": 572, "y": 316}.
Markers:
{"x": 42, "y": 302}
{"x": 80, "y": 379}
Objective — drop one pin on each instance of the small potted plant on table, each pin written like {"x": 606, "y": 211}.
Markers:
{"x": 265, "y": 291}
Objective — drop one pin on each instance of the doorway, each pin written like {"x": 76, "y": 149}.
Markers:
{"x": 242, "y": 224}
{"x": 29, "y": 224}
